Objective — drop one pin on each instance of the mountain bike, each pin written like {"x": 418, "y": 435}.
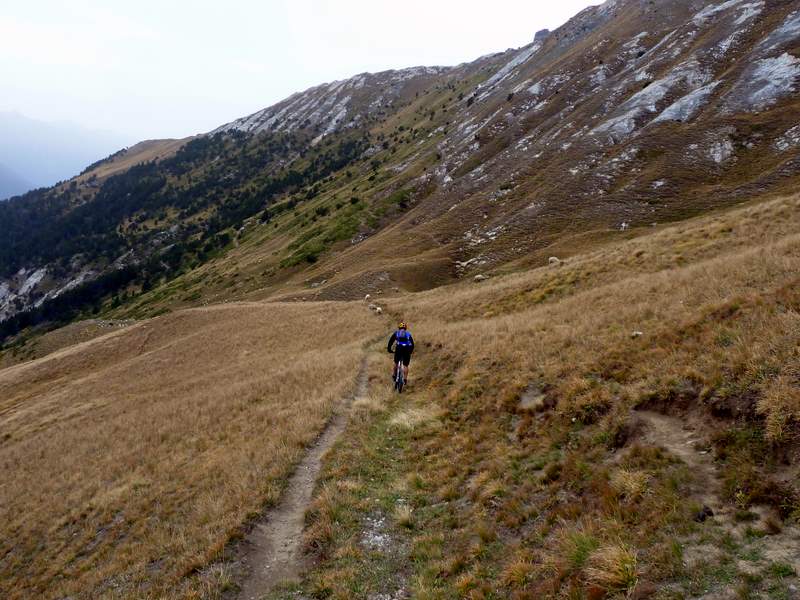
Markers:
{"x": 399, "y": 377}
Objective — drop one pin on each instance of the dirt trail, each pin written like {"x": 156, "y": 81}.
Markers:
{"x": 272, "y": 552}
{"x": 673, "y": 435}
{"x": 677, "y": 438}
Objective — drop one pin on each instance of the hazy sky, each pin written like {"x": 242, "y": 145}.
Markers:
{"x": 170, "y": 68}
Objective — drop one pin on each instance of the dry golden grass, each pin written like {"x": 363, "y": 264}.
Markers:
{"x": 136, "y": 456}
{"x": 415, "y": 416}
{"x": 732, "y": 310}
{"x": 780, "y": 402}
{"x": 717, "y": 302}
{"x": 138, "y": 153}
{"x": 69, "y": 335}
{"x": 631, "y": 484}
{"x": 612, "y": 568}
{"x": 131, "y": 460}
{"x": 519, "y": 570}
{"x": 663, "y": 250}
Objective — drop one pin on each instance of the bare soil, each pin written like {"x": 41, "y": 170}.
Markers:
{"x": 680, "y": 439}
{"x": 272, "y": 553}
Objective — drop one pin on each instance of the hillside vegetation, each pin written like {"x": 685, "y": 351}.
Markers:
{"x": 624, "y": 422}
{"x": 567, "y": 426}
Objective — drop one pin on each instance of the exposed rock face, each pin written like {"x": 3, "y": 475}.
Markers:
{"x": 541, "y": 35}
{"x": 19, "y": 291}
{"x": 342, "y": 104}
{"x": 628, "y": 114}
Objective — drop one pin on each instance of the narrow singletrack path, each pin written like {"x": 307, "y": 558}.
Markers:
{"x": 678, "y": 438}
{"x": 673, "y": 435}
{"x": 273, "y": 553}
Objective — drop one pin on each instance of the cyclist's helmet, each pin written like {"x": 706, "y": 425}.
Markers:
{"x": 402, "y": 325}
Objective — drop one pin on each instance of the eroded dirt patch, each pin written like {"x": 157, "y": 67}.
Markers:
{"x": 759, "y": 547}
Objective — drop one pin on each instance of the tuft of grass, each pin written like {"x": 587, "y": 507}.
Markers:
{"x": 324, "y": 514}
{"x": 577, "y": 545}
{"x": 404, "y": 516}
{"x": 412, "y": 418}
{"x": 368, "y": 405}
{"x": 780, "y": 405}
{"x": 629, "y": 483}
{"x": 519, "y": 571}
{"x": 781, "y": 570}
{"x": 613, "y": 568}
{"x": 487, "y": 533}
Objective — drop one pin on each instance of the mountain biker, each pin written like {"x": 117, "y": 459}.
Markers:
{"x": 403, "y": 349}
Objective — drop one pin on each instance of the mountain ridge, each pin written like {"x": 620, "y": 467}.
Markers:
{"x": 630, "y": 114}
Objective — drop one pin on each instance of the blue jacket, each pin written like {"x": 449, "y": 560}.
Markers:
{"x": 403, "y": 339}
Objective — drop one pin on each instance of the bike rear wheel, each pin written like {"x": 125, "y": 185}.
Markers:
{"x": 399, "y": 380}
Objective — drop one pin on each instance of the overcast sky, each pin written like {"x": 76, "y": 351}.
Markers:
{"x": 171, "y": 68}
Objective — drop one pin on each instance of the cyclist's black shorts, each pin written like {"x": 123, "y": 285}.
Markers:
{"x": 403, "y": 354}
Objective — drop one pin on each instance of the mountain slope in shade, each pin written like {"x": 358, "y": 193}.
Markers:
{"x": 46, "y": 153}
{"x": 11, "y": 184}
{"x": 632, "y": 114}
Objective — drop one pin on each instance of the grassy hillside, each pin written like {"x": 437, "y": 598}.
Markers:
{"x": 567, "y": 426}
{"x": 567, "y": 430}
{"x": 131, "y": 460}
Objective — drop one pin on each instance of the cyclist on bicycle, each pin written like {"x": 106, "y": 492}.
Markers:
{"x": 403, "y": 349}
